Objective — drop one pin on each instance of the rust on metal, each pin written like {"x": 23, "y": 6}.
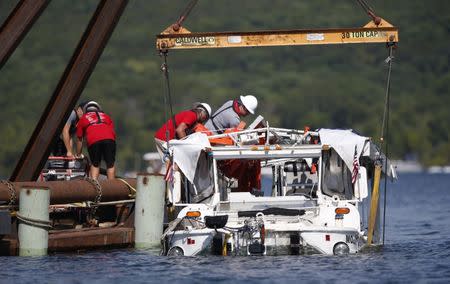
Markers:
{"x": 62, "y": 192}
{"x": 68, "y": 89}
{"x": 90, "y": 238}
{"x": 17, "y": 25}
{"x": 177, "y": 25}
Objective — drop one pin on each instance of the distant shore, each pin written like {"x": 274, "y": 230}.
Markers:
{"x": 415, "y": 167}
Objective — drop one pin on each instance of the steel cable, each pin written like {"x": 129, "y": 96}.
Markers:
{"x": 385, "y": 126}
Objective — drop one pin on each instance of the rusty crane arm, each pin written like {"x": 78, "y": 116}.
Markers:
{"x": 18, "y": 24}
{"x": 68, "y": 89}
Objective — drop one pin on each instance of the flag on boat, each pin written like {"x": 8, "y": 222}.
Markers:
{"x": 169, "y": 173}
{"x": 355, "y": 166}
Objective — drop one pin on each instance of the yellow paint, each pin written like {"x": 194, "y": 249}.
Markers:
{"x": 374, "y": 204}
{"x": 370, "y": 33}
{"x": 224, "y": 246}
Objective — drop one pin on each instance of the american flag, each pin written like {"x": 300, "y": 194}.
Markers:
{"x": 355, "y": 167}
{"x": 169, "y": 173}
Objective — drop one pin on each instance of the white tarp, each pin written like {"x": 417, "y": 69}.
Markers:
{"x": 344, "y": 143}
{"x": 186, "y": 152}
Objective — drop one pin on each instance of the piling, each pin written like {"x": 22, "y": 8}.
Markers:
{"x": 149, "y": 214}
{"x": 34, "y": 221}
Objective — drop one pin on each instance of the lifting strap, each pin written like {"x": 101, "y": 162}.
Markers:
{"x": 217, "y": 129}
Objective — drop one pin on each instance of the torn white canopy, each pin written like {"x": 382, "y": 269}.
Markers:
{"x": 344, "y": 143}
{"x": 185, "y": 152}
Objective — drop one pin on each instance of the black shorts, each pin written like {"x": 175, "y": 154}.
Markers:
{"x": 103, "y": 149}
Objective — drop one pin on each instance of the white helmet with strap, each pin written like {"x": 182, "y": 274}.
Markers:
{"x": 250, "y": 102}
{"x": 91, "y": 106}
{"x": 206, "y": 107}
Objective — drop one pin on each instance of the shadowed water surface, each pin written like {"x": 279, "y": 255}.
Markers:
{"x": 417, "y": 250}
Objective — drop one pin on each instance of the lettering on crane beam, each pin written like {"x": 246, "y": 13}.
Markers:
{"x": 363, "y": 34}
{"x": 195, "y": 41}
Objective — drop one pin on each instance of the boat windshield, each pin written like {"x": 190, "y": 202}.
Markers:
{"x": 269, "y": 177}
{"x": 336, "y": 176}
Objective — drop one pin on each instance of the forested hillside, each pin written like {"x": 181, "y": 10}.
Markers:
{"x": 340, "y": 86}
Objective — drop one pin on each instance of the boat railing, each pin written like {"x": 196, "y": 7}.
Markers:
{"x": 294, "y": 134}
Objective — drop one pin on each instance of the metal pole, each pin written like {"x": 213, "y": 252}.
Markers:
{"x": 149, "y": 214}
{"x": 33, "y": 221}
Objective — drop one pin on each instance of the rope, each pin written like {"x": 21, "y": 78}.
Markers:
{"x": 130, "y": 188}
{"x": 385, "y": 126}
{"x": 88, "y": 204}
{"x": 44, "y": 224}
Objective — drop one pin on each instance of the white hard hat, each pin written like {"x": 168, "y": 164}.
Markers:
{"x": 206, "y": 107}
{"x": 250, "y": 103}
{"x": 91, "y": 106}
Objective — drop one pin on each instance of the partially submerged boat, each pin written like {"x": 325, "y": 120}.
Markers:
{"x": 273, "y": 191}
{"x": 315, "y": 194}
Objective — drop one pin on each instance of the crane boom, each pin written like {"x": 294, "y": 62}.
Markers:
{"x": 181, "y": 38}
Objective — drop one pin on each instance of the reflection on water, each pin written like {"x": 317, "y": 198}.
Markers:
{"x": 417, "y": 250}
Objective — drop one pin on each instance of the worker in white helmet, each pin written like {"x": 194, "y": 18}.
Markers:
{"x": 230, "y": 113}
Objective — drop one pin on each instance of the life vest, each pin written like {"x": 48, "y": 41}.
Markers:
{"x": 99, "y": 120}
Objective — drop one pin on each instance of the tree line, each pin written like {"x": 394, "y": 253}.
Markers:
{"x": 339, "y": 86}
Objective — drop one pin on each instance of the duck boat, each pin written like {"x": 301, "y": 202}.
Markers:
{"x": 274, "y": 191}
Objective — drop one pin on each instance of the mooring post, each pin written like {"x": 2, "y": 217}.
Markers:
{"x": 149, "y": 214}
{"x": 34, "y": 222}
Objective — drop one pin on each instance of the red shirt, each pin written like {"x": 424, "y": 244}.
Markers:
{"x": 188, "y": 116}
{"x": 95, "y": 127}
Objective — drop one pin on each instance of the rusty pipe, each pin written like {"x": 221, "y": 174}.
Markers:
{"x": 62, "y": 192}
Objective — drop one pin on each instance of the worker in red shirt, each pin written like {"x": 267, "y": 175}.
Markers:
{"x": 98, "y": 128}
{"x": 185, "y": 122}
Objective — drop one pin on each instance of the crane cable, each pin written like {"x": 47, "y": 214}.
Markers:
{"x": 167, "y": 97}
{"x": 165, "y": 69}
{"x": 370, "y": 11}
{"x": 184, "y": 15}
{"x": 385, "y": 126}
{"x": 365, "y": 6}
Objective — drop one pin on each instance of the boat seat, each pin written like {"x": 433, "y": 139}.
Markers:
{"x": 307, "y": 189}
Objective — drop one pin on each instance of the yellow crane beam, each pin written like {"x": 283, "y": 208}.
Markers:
{"x": 177, "y": 37}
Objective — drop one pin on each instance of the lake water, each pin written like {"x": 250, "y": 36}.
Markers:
{"x": 417, "y": 249}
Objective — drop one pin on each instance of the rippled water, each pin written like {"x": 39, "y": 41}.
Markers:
{"x": 417, "y": 250}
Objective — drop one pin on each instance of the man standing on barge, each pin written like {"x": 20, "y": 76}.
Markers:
{"x": 98, "y": 128}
